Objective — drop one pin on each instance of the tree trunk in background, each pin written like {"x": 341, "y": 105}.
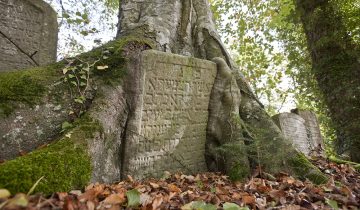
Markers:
{"x": 336, "y": 66}
{"x": 240, "y": 132}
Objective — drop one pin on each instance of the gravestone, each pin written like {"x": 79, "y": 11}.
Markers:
{"x": 312, "y": 124}
{"x": 168, "y": 129}
{"x": 293, "y": 127}
{"x": 28, "y": 34}
{"x": 302, "y": 128}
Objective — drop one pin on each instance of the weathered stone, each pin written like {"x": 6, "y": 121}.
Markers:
{"x": 167, "y": 130}
{"x": 293, "y": 127}
{"x": 28, "y": 34}
{"x": 302, "y": 127}
{"x": 312, "y": 124}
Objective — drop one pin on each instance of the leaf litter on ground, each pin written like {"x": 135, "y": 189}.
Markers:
{"x": 206, "y": 191}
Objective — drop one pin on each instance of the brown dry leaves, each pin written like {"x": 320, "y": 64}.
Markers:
{"x": 178, "y": 190}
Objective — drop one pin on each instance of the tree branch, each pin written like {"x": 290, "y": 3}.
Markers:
{"x": 20, "y": 49}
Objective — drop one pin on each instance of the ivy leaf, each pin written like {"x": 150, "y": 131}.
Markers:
{"x": 79, "y": 100}
{"x": 133, "y": 197}
{"x": 74, "y": 83}
{"x": 65, "y": 70}
{"x": 84, "y": 33}
{"x": 66, "y": 15}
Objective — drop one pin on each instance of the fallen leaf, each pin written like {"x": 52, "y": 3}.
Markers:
{"x": 114, "y": 199}
{"x": 248, "y": 199}
{"x": 4, "y": 193}
{"x": 20, "y": 200}
{"x": 91, "y": 194}
{"x": 173, "y": 188}
{"x": 157, "y": 202}
{"x": 332, "y": 203}
{"x": 154, "y": 185}
{"x": 233, "y": 206}
{"x": 133, "y": 197}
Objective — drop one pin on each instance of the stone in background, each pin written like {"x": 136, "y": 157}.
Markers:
{"x": 168, "y": 129}
{"x": 312, "y": 124}
{"x": 32, "y": 26}
{"x": 302, "y": 128}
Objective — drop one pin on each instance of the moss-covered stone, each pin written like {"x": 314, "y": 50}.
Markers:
{"x": 30, "y": 86}
{"x": 23, "y": 86}
{"x": 304, "y": 169}
{"x": 65, "y": 164}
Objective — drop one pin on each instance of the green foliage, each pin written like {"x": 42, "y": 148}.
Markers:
{"x": 269, "y": 42}
{"x": 78, "y": 74}
{"x": 84, "y": 24}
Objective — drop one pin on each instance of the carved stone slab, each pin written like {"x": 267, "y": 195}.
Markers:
{"x": 293, "y": 127}
{"x": 168, "y": 129}
{"x": 30, "y": 25}
{"x": 312, "y": 124}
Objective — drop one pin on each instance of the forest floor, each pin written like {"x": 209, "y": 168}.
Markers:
{"x": 208, "y": 191}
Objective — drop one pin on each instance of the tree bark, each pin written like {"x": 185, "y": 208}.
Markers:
{"x": 336, "y": 66}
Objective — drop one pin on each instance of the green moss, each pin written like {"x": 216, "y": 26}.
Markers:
{"x": 30, "y": 86}
{"x": 65, "y": 164}
{"x": 340, "y": 161}
{"x": 304, "y": 169}
{"x": 24, "y": 87}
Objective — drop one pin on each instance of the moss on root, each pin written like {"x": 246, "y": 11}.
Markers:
{"x": 356, "y": 166}
{"x": 234, "y": 160}
{"x": 303, "y": 168}
{"x": 65, "y": 164}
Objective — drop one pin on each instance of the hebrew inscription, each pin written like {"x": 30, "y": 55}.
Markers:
{"x": 28, "y": 34}
{"x": 168, "y": 131}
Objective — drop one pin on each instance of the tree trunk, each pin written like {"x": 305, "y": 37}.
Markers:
{"x": 240, "y": 134}
{"x": 336, "y": 66}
